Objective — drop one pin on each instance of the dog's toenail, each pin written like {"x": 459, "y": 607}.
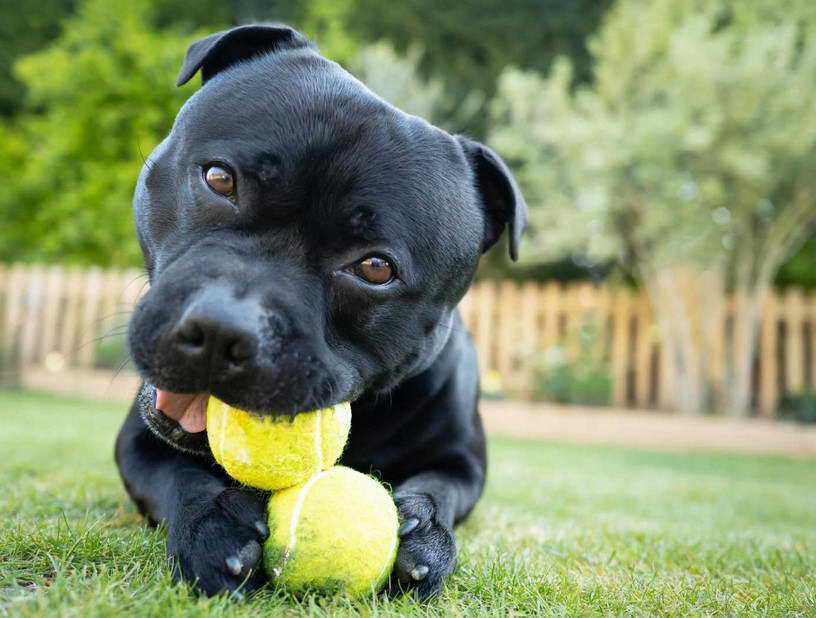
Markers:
{"x": 262, "y": 529}
{"x": 419, "y": 572}
{"x": 250, "y": 553}
{"x": 408, "y": 526}
{"x": 234, "y": 565}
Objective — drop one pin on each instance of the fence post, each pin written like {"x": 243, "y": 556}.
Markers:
{"x": 507, "y": 327}
{"x": 73, "y": 299}
{"x": 551, "y": 309}
{"x": 55, "y": 282}
{"x": 466, "y": 309}
{"x": 602, "y": 312}
{"x": 795, "y": 344}
{"x": 15, "y": 287}
{"x": 581, "y": 302}
{"x": 90, "y": 311}
{"x": 718, "y": 353}
{"x": 643, "y": 352}
{"x": 620, "y": 346}
{"x": 570, "y": 320}
{"x": 528, "y": 323}
{"x": 108, "y": 312}
{"x": 769, "y": 369}
{"x": 811, "y": 301}
{"x": 31, "y": 322}
{"x": 485, "y": 300}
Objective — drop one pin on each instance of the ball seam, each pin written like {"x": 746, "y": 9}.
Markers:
{"x": 319, "y": 439}
{"x": 222, "y": 437}
{"x": 389, "y": 560}
{"x": 298, "y": 507}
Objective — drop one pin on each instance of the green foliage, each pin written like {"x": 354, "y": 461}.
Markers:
{"x": 396, "y": 78}
{"x": 25, "y": 29}
{"x": 101, "y": 92}
{"x": 469, "y": 44}
{"x": 573, "y": 383}
{"x": 801, "y": 268}
{"x": 104, "y": 97}
{"x": 691, "y": 157}
{"x": 326, "y": 23}
{"x": 800, "y": 407}
{"x": 584, "y": 379}
{"x": 28, "y": 28}
{"x": 697, "y": 137}
{"x": 111, "y": 353}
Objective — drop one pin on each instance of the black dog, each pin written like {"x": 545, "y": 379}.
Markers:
{"x": 307, "y": 243}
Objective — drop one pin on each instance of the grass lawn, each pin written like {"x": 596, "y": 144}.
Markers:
{"x": 562, "y": 530}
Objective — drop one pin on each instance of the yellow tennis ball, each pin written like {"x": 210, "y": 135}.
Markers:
{"x": 337, "y": 532}
{"x": 276, "y": 452}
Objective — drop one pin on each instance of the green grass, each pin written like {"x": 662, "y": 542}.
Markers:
{"x": 562, "y": 530}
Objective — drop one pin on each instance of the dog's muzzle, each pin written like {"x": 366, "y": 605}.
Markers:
{"x": 167, "y": 429}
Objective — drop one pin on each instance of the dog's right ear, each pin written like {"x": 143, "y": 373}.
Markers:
{"x": 218, "y": 51}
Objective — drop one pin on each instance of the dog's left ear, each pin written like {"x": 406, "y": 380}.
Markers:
{"x": 502, "y": 200}
{"x": 218, "y": 51}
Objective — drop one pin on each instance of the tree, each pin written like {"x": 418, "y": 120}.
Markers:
{"x": 30, "y": 27}
{"x": 101, "y": 97}
{"x": 22, "y": 31}
{"x": 801, "y": 268}
{"x": 100, "y": 93}
{"x": 692, "y": 158}
{"x": 464, "y": 44}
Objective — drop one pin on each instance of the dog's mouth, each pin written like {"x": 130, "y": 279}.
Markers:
{"x": 180, "y": 419}
{"x": 188, "y": 409}
{"x": 184, "y": 422}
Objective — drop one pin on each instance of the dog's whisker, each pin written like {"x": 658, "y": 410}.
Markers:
{"x": 119, "y": 370}
{"x": 93, "y": 340}
{"x": 145, "y": 160}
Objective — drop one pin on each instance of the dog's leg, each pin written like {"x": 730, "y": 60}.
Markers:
{"x": 429, "y": 504}
{"x": 442, "y": 466}
{"x": 214, "y": 530}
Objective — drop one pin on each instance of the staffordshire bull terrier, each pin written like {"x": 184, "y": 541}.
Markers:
{"x": 307, "y": 243}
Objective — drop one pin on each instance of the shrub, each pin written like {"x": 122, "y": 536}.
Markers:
{"x": 110, "y": 353}
{"x": 583, "y": 377}
{"x": 800, "y": 407}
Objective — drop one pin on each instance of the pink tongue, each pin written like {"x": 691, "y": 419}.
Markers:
{"x": 189, "y": 409}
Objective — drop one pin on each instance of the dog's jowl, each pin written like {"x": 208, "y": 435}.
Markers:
{"x": 307, "y": 243}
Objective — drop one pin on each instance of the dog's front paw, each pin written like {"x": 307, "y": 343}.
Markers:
{"x": 217, "y": 543}
{"x": 427, "y": 551}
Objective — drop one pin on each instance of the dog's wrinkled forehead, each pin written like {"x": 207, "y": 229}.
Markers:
{"x": 302, "y": 105}
{"x": 315, "y": 139}
{"x": 310, "y": 149}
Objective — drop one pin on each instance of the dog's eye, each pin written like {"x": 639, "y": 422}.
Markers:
{"x": 374, "y": 269}
{"x": 220, "y": 180}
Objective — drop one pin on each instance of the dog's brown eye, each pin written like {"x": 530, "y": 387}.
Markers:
{"x": 220, "y": 180}
{"x": 375, "y": 270}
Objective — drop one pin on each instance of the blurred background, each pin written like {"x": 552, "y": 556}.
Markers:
{"x": 667, "y": 149}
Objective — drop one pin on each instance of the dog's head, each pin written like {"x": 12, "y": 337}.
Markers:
{"x": 306, "y": 241}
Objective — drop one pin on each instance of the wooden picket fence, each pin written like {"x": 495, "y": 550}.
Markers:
{"x": 55, "y": 316}
{"x": 59, "y": 318}
{"x": 513, "y": 325}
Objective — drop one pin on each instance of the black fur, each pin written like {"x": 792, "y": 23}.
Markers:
{"x": 327, "y": 174}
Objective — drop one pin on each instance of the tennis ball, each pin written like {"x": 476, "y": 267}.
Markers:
{"x": 337, "y": 532}
{"x": 276, "y": 452}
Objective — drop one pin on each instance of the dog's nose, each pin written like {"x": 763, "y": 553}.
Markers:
{"x": 218, "y": 330}
{"x": 201, "y": 337}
